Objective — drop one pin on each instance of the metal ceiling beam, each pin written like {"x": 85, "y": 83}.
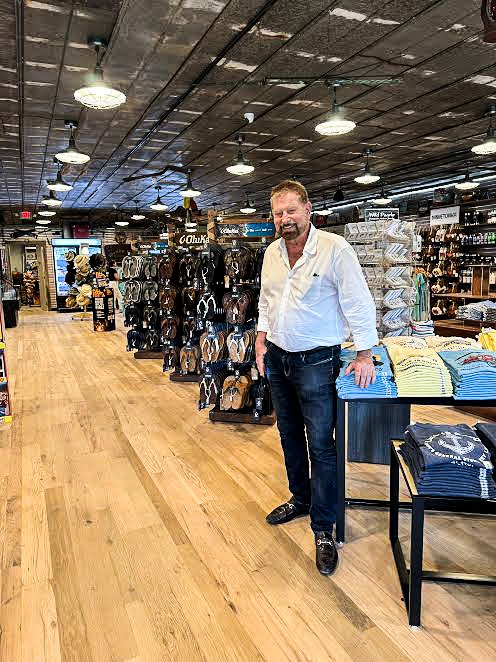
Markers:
{"x": 19, "y": 30}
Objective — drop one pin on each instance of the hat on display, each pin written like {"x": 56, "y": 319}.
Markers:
{"x": 74, "y": 291}
{"x": 97, "y": 262}
{"x": 70, "y": 277}
{"x": 86, "y": 290}
{"x": 70, "y": 302}
{"x": 80, "y": 278}
{"x": 84, "y": 269}
{"x": 82, "y": 300}
{"x": 81, "y": 260}
{"x": 69, "y": 256}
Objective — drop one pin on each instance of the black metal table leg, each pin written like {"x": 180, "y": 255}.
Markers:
{"x": 416, "y": 560}
{"x": 394, "y": 497}
{"x": 341, "y": 469}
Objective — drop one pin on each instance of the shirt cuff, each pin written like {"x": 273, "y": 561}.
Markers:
{"x": 366, "y": 341}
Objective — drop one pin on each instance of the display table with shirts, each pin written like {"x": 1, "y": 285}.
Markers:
{"x": 371, "y": 424}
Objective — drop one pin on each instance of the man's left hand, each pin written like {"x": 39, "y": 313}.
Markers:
{"x": 363, "y": 367}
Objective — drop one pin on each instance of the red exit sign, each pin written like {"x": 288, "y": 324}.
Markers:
{"x": 25, "y": 215}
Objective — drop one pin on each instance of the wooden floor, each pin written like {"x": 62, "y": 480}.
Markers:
{"x": 132, "y": 529}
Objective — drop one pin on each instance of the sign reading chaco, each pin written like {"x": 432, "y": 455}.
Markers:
{"x": 445, "y": 215}
{"x": 191, "y": 239}
{"x": 384, "y": 214}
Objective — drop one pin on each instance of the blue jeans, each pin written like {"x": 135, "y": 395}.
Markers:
{"x": 303, "y": 391}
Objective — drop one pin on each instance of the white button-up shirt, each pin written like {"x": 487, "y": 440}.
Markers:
{"x": 320, "y": 300}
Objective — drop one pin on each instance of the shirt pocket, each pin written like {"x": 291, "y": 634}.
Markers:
{"x": 309, "y": 289}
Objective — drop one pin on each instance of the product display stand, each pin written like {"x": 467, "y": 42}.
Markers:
{"x": 84, "y": 316}
{"x": 5, "y": 402}
{"x": 411, "y": 578}
{"x": 141, "y": 312}
{"x": 343, "y": 421}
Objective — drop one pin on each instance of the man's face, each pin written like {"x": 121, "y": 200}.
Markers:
{"x": 291, "y": 216}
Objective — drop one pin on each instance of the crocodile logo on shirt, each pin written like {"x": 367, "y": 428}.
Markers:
{"x": 483, "y": 358}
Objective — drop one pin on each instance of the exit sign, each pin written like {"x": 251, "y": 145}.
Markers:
{"x": 25, "y": 215}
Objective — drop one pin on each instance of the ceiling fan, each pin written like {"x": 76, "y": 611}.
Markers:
{"x": 157, "y": 174}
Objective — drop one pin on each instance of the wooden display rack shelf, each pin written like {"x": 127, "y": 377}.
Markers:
{"x": 189, "y": 377}
{"x": 148, "y": 354}
{"x": 222, "y": 416}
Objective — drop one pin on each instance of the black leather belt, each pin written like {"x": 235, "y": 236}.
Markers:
{"x": 307, "y": 352}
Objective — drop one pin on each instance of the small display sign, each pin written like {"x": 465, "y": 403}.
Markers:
{"x": 445, "y": 215}
{"x": 103, "y": 309}
{"x": 384, "y": 214}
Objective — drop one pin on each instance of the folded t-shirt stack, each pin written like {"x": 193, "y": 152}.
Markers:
{"x": 448, "y": 460}
{"x": 487, "y": 339}
{"x": 451, "y": 343}
{"x": 473, "y": 373}
{"x": 487, "y": 434}
{"x": 419, "y": 373}
{"x": 490, "y": 313}
{"x": 384, "y": 386}
{"x": 422, "y": 328}
{"x": 405, "y": 341}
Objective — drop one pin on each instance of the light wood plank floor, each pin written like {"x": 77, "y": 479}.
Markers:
{"x": 132, "y": 529}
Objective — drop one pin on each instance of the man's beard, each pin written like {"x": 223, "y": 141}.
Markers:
{"x": 290, "y": 231}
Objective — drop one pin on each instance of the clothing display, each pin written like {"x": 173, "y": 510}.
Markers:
{"x": 487, "y": 434}
{"x": 422, "y": 329}
{"x": 384, "y": 386}
{"x": 419, "y": 373}
{"x": 487, "y": 339}
{"x": 422, "y": 308}
{"x": 473, "y": 372}
{"x": 482, "y": 311}
{"x": 448, "y": 461}
{"x": 447, "y": 343}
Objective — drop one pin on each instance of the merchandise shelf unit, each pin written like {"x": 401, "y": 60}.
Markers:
{"x": 384, "y": 248}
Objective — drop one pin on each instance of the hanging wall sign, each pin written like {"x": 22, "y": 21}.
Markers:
{"x": 240, "y": 230}
{"x": 116, "y": 252}
{"x": 191, "y": 239}
{"x": 445, "y": 215}
{"x": 384, "y": 214}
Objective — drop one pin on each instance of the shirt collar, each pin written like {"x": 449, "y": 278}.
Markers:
{"x": 310, "y": 245}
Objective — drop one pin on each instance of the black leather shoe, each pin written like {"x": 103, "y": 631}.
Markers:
{"x": 287, "y": 512}
{"x": 326, "y": 553}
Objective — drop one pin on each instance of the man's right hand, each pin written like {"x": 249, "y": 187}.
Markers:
{"x": 260, "y": 351}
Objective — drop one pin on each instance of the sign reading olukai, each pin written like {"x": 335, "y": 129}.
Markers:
{"x": 191, "y": 239}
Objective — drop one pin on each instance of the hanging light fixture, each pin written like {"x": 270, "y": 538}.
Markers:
{"x": 248, "y": 207}
{"x": 158, "y": 205}
{"x": 488, "y": 146}
{"x": 43, "y": 221}
{"x": 467, "y": 183}
{"x": 97, "y": 94}
{"x": 368, "y": 176}
{"x": 137, "y": 216}
{"x": 46, "y": 212}
{"x": 383, "y": 198}
{"x": 50, "y": 200}
{"x": 189, "y": 191}
{"x": 71, "y": 154}
{"x": 58, "y": 184}
{"x": 339, "y": 194}
{"x": 336, "y": 124}
{"x": 190, "y": 225}
{"x": 240, "y": 165}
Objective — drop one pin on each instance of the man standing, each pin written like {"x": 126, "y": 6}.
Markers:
{"x": 313, "y": 293}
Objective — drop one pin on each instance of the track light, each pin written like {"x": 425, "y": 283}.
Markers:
{"x": 97, "y": 94}
{"x": 41, "y": 221}
{"x": 58, "y": 184}
{"x": 488, "y": 146}
{"x": 122, "y": 223}
{"x": 46, "y": 212}
{"x": 137, "y": 216}
{"x": 368, "y": 176}
{"x": 71, "y": 154}
{"x": 50, "y": 200}
{"x": 241, "y": 165}
{"x": 467, "y": 183}
{"x": 158, "y": 205}
{"x": 189, "y": 191}
{"x": 336, "y": 124}
{"x": 383, "y": 199}
{"x": 248, "y": 207}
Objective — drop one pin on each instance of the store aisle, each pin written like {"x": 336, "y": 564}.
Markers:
{"x": 131, "y": 528}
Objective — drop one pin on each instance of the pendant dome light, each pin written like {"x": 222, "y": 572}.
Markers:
{"x": 488, "y": 146}
{"x": 368, "y": 176}
{"x": 122, "y": 223}
{"x": 71, "y": 154}
{"x": 50, "y": 200}
{"x": 467, "y": 183}
{"x": 43, "y": 221}
{"x": 158, "y": 205}
{"x": 339, "y": 194}
{"x": 383, "y": 199}
{"x": 248, "y": 207}
{"x": 336, "y": 124}
{"x": 97, "y": 94}
{"x": 241, "y": 165}
{"x": 137, "y": 216}
{"x": 46, "y": 212}
{"x": 189, "y": 191}
{"x": 58, "y": 184}
{"x": 190, "y": 225}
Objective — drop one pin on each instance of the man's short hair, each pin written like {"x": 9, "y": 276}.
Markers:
{"x": 290, "y": 186}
